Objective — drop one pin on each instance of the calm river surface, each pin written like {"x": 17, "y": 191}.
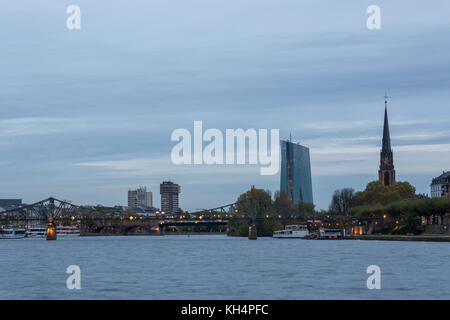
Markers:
{"x": 220, "y": 267}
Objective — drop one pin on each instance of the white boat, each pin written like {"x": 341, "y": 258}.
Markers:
{"x": 67, "y": 231}
{"x": 61, "y": 231}
{"x": 37, "y": 232}
{"x": 12, "y": 233}
{"x": 327, "y": 233}
{"x": 292, "y": 231}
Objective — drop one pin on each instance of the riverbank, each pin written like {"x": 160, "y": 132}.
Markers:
{"x": 390, "y": 237}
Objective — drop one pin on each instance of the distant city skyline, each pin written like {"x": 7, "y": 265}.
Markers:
{"x": 87, "y": 114}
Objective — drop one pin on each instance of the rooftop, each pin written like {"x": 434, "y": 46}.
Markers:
{"x": 443, "y": 178}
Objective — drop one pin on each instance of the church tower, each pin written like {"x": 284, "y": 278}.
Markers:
{"x": 386, "y": 174}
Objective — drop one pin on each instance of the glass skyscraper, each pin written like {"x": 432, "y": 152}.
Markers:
{"x": 295, "y": 177}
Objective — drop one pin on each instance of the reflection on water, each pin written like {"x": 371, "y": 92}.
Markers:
{"x": 220, "y": 267}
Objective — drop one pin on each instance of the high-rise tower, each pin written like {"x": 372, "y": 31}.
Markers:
{"x": 295, "y": 178}
{"x": 169, "y": 196}
{"x": 386, "y": 174}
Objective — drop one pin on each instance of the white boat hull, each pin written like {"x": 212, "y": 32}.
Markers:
{"x": 64, "y": 235}
{"x": 292, "y": 235}
{"x": 12, "y": 233}
{"x": 12, "y": 236}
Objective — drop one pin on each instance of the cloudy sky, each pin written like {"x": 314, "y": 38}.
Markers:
{"x": 87, "y": 114}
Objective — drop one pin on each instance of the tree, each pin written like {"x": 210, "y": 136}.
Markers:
{"x": 342, "y": 201}
{"x": 366, "y": 210}
{"x": 244, "y": 202}
{"x": 262, "y": 202}
{"x": 410, "y": 225}
{"x": 282, "y": 200}
{"x": 285, "y": 207}
{"x": 304, "y": 207}
{"x": 376, "y": 192}
{"x": 404, "y": 189}
{"x": 422, "y": 207}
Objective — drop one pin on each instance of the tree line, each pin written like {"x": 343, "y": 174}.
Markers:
{"x": 376, "y": 195}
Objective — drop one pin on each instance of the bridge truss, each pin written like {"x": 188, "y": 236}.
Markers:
{"x": 249, "y": 209}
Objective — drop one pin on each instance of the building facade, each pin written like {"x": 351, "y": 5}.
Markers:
{"x": 140, "y": 198}
{"x": 440, "y": 186}
{"x": 10, "y": 202}
{"x": 169, "y": 197}
{"x": 6, "y": 204}
{"x": 386, "y": 173}
{"x": 295, "y": 174}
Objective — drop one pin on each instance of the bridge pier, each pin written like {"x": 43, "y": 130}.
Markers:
{"x": 51, "y": 231}
{"x": 252, "y": 232}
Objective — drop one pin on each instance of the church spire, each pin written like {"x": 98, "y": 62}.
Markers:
{"x": 386, "y": 174}
{"x": 386, "y": 136}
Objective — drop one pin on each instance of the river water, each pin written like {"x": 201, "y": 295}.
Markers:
{"x": 220, "y": 267}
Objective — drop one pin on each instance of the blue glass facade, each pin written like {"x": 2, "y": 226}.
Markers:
{"x": 295, "y": 177}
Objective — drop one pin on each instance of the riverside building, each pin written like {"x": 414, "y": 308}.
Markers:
{"x": 440, "y": 186}
{"x": 169, "y": 197}
{"x": 140, "y": 198}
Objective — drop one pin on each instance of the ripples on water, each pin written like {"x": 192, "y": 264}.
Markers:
{"x": 220, "y": 267}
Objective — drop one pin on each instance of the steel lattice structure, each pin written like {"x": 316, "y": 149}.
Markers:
{"x": 250, "y": 209}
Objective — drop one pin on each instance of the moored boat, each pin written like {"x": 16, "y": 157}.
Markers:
{"x": 61, "y": 231}
{"x": 328, "y": 233}
{"x": 12, "y": 233}
{"x": 67, "y": 231}
{"x": 37, "y": 232}
{"x": 297, "y": 231}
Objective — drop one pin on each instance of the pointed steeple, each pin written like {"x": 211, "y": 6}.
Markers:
{"x": 386, "y": 174}
{"x": 386, "y": 136}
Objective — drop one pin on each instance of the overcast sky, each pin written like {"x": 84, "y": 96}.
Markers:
{"x": 87, "y": 114}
